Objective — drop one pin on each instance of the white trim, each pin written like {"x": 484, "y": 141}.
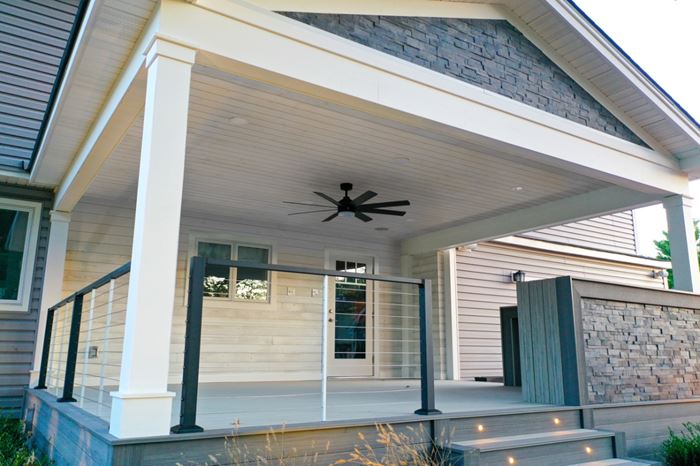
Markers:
{"x": 415, "y": 8}
{"x": 317, "y": 62}
{"x": 579, "y": 207}
{"x": 583, "y": 252}
{"x": 451, "y": 313}
{"x": 33, "y": 210}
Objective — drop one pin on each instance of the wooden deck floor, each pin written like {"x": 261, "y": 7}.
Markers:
{"x": 223, "y": 405}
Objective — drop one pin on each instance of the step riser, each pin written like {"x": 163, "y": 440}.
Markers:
{"x": 457, "y": 430}
{"x": 557, "y": 454}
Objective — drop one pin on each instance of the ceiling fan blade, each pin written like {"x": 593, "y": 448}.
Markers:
{"x": 378, "y": 205}
{"x": 328, "y": 219}
{"x": 362, "y": 198}
{"x": 326, "y": 197}
{"x": 311, "y": 211}
{"x": 308, "y": 204}
{"x": 399, "y": 213}
{"x": 363, "y": 217}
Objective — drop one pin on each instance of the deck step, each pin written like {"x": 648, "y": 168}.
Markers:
{"x": 557, "y": 448}
{"x": 619, "y": 462}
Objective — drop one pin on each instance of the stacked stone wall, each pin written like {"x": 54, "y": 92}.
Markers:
{"x": 640, "y": 352}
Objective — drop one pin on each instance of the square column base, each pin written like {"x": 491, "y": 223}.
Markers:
{"x": 141, "y": 414}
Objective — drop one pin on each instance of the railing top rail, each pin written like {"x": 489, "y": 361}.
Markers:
{"x": 314, "y": 271}
{"x": 116, "y": 273}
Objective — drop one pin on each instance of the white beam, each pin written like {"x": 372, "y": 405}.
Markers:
{"x": 143, "y": 405}
{"x": 593, "y": 204}
{"x": 53, "y": 280}
{"x": 120, "y": 110}
{"x": 295, "y": 56}
{"x": 681, "y": 235}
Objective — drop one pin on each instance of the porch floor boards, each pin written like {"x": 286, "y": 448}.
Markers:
{"x": 248, "y": 404}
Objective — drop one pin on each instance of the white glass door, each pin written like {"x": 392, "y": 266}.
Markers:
{"x": 350, "y": 319}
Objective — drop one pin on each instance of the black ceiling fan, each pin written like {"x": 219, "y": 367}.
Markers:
{"x": 347, "y": 207}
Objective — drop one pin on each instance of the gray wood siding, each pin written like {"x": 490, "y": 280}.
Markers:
{"x": 33, "y": 39}
{"x": 483, "y": 286}
{"x": 613, "y": 232}
{"x": 18, "y": 329}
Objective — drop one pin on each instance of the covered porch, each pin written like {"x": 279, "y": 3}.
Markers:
{"x": 196, "y": 153}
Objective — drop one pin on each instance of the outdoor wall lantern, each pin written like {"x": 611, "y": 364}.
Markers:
{"x": 518, "y": 276}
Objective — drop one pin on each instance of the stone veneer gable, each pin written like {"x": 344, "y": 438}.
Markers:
{"x": 640, "y": 352}
{"x": 491, "y": 54}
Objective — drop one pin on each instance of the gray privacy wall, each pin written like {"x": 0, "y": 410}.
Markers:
{"x": 491, "y": 54}
{"x": 616, "y": 343}
{"x": 18, "y": 329}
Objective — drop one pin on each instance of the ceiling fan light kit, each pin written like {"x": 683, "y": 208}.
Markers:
{"x": 346, "y": 207}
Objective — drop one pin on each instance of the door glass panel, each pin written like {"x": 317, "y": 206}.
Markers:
{"x": 350, "y": 312}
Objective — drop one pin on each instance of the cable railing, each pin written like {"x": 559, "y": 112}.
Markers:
{"x": 82, "y": 348}
{"x": 257, "y": 355}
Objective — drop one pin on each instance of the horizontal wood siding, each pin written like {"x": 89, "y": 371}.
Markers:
{"x": 241, "y": 341}
{"x": 18, "y": 329}
{"x": 611, "y": 233}
{"x": 484, "y": 286}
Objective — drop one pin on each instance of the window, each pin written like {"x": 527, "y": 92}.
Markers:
{"x": 249, "y": 284}
{"x": 19, "y": 226}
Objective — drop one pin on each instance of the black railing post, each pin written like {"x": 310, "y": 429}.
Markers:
{"x": 45, "y": 350}
{"x": 72, "y": 356}
{"x": 427, "y": 376}
{"x": 193, "y": 339}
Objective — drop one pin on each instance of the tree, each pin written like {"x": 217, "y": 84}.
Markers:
{"x": 663, "y": 249}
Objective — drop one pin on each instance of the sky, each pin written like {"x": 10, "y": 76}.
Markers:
{"x": 663, "y": 37}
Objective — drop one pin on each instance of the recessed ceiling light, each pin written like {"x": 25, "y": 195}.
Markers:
{"x": 381, "y": 229}
{"x": 238, "y": 121}
{"x": 517, "y": 188}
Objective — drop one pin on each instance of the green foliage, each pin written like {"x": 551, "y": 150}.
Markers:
{"x": 682, "y": 449}
{"x": 14, "y": 449}
{"x": 663, "y": 249}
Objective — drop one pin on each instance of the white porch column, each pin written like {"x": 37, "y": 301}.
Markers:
{"x": 53, "y": 280}
{"x": 142, "y": 406}
{"x": 681, "y": 234}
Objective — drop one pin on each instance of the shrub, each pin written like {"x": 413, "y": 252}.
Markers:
{"x": 14, "y": 449}
{"x": 683, "y": 448}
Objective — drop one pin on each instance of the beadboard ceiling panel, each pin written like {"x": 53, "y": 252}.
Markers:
{"x": 289, "y": 147}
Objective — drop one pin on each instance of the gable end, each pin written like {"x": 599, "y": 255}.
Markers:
{"x": 491, "y": 54}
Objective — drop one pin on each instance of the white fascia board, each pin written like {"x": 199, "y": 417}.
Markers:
{"x": 411, "y": 8}
{"x": 117, "y": 115}
{"x": 246, "y": 40}
{"x": 623, "y": 64}
{"x": 583, "y": 252}
{"x": 588, "y": 205}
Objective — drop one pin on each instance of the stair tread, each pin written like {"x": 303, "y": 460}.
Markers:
{"x": 618, "y": 462}
{"x": 525, "y": 440}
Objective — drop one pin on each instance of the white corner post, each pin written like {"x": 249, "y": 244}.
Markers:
{"x": 143, "y": 405}
{"x": 451, "y": 313}
{"x": 681, "y": 235}
{"x": 53, "y": 280}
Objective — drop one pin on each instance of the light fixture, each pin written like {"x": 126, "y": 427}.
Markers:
{"x": 663, "y": 273}
{"x": 589, "y": 450}
{"x": 557, "y": 421}
{"x": 511, "y": 460}
{"x": 517, "y": 189}
{"x": 480, "y": 428}
{"x": 518, "y": 276}
{"x": 346, "y": 214}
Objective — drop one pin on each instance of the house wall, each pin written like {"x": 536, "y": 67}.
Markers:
{"x": 17, "y": 328}
{"x": 484, "y": 286}
{"x": 241, "y": 341}
{"x": 491, "y": 54}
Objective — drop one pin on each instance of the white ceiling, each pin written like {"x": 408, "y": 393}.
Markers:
{"x": 291, "y": 146}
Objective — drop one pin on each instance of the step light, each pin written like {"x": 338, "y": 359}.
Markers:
{"x": 589, "y": 450}
{"x": 511, "y": 460}
{"x": 557, "y": 421}
{"x": 480, "y": 428}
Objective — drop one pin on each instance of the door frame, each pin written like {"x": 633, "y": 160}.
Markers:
{"x": 334, "y": 365}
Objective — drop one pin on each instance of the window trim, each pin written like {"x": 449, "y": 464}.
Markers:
{"x": 33, "y": 209}
{"x": 234, "y": 241}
